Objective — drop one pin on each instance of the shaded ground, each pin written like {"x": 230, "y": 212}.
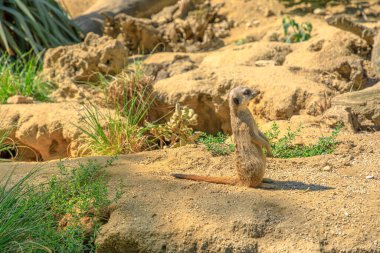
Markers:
{"x": 323, "y": 204}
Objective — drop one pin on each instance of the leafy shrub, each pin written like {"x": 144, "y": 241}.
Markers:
{"x": 20, "y": 77}
{"x": 283, "y": 147}
{"x": 217, "y": 144}
{"x": 177, "y": 131}
{"x": 78, "y": 198}
{"x": 34, "y": 25}
{"x": 299, "y": 33}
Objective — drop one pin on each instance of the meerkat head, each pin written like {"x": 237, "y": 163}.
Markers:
{"x": 241, "y": 96}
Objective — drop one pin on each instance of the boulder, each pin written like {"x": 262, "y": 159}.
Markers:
{"x": 68, "y": 66}
{"x": 188, "y": 26}
{"x": 375, "y": 57}
{"x": 84, "y": 62}
{"x": 92, "y": 19}
{"x": 294, "y": 79}
{"x": 365, "y": 104}
{"x": 42, "y": 131}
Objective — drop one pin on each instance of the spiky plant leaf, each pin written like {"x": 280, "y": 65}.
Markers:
{"x": 34, "y": 24}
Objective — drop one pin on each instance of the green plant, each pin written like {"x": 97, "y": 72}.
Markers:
{"x": 177, "y": 131}
{"x": 130, "y": 84}
{"x": 241, "y": 42}
{"x": 115, "y": 132}
{"x": 26, "y": 225}
{"x": 122, "y": 130}
{"x": 78, "y": 198}
{"x": 34, "y": 25}
{"x": 299, "y": 33}
{"x": 6, "y": 143}
{"x": 20, "y": 77}
{"x": 217, "y": 144}
{"x": 60, "y": 216}
{"x": 284, "y": 147}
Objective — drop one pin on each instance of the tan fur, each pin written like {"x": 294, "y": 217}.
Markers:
{"x": 249, "y": 141}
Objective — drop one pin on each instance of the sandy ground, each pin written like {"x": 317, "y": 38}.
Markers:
{"x": 321, "y": 204}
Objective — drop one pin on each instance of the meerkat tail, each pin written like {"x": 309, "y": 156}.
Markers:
{"x": 215, "y": 180}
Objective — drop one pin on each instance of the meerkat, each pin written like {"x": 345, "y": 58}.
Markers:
{"x": 249, "y": 142}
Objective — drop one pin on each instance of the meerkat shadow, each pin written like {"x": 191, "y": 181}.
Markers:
{"x": 295, "y": 186}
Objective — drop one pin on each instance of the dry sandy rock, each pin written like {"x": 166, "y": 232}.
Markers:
{"x": 341, "y": 115}
{"x": 42, "y": 131}
{"x": 70, "y": 66}
{"x": 376, "y": 55}
{"x": 365, "y": 104}
{"x": 91, "y": 20}
{"x": 292, "y": 78}
{"x": 76, "y": 8}
{"x": 188, "y": 26}
{"x": 82, "y": 62}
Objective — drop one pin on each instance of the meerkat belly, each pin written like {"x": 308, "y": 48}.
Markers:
{"x": 250, "y": 160}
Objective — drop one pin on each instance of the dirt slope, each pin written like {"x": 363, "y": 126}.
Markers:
{"x": 323, "y": 204}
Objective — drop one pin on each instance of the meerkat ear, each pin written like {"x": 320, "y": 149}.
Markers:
{"x": 236, "y": 101}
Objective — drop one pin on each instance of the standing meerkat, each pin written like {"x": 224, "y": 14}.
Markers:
{"x": 249, "y": 142}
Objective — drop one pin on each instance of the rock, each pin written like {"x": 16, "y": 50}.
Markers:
{"x": 375, "y": 58}
{"x": 341, "y": 115}
{"x": 269, "y": 13}
{"x": 85, "y": 61}
{"x": 256, "y": 22}
{"x": 265, "y": 63}
{"x": 76, "y": 8}
{"x": 370, "y": 177}
{"x": 19, "y": 100}
{"x": 175, "y": 28}
{"x": 43, "y": 131}
{"x": 327, "y": 168}
{"x": 317, "y": 46}
{"x": 138, "y": 33}
{"x": 91, "y": 20}
{"x": 365, "y": 104}
{"x": 205, "y": 86}
{"x": 319, "y": 11}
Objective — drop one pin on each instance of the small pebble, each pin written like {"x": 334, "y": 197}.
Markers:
{"x": 327, "y": 168}
{"x": 370, "y": 177}
{"x": 269, "y": 13}
{"x": 319, "y": 11}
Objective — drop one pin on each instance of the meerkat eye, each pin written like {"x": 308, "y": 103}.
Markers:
{"x": 247, "y": 92}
